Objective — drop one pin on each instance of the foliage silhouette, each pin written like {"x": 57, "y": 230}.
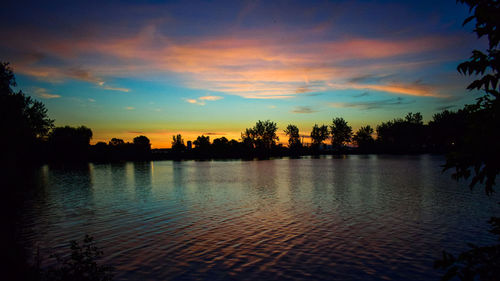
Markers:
{"x": 318, "y": 135}
{"x": 22, "y": 119}
{"x": 478, "y": 152}
{"x": 70, "y": 143}
{"x": 202, "y": 146}
{"x": 202, "y": 143}
{"x": 221, "y": 146}
{"x": 116, "y": 142}
{"x": 117, "y": 150}
{"x": 446, "y": 130}
{"x": 141, "y": 147}
{"x": 341, "y": 133}
{"x": 364, "y": 139}
{"x": 406, "y": 135}
{"x": 142, "y": 142}
{"x": 178, "y": 143}
{"x": 485, "y": 13}
{"x": 81, "y": 264}
{"x": 292, "y": 132}
{"x": 482, "y": 262}
{"x": 262, "y": 136}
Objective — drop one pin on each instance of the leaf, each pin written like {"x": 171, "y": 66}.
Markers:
{"x": 467, "y": 20}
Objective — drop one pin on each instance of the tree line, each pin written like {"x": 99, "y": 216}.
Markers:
{"x": 445, "y": 132}
{"x": 32, "y": 135}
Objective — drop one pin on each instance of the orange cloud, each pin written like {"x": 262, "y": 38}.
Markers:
{"x": 201, "y": 100}
{"x": 106, "y": 87}
{"x": 400, "y": 89}
{"x": 210, "y": 98}
{"x": 44, "y": 94}
{"x": 411, "y": 90}
{"x": 250, "y": 67}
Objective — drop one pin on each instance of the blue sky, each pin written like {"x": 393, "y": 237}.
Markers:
{"x": 216, "y": 67}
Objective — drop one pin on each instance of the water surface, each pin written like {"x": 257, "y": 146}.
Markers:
{"x": 350, "y": 218}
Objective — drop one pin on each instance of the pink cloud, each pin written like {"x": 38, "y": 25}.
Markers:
{"x": 249, "y": 67}
{"x": 210, "y": 98}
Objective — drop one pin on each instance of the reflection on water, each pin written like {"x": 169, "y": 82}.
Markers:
{"x": 352, "y": 218}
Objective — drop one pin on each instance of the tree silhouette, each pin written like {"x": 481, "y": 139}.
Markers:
{"x": 82, "y": 264}
{"x": 142, "y": 142}
{"x": 178, "y": 143}
{"x": 248, "y": 138}
{"x": 485, "y": 13}
{"x": 318, "y": 135}
{"x": 7, "y": 79}
{"x": 202, "y": 143}
{"x": 116, "y": 142}
{"x": 480, "y": 153}
{"x": 447, "y": 130}
{"x": 141, "y": 147}
{"x": 414, "y": 118}
{"x": 70, "y": 143}
{"x": 221, "y": 142}
{"x": 222, "y": 148}
{"x": 262, "y": 135}
{"x": 23, "y": 119}
{"x": 363, "y": 138}
{"x": 406, "y": 135}
{"x": 341, "y": 132}
{"x": 292, "y": 132}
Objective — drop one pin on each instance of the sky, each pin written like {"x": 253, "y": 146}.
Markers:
{"x": 160, "y": 68}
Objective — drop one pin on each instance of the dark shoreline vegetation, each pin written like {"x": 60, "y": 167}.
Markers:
{"x": 407, "y": 135}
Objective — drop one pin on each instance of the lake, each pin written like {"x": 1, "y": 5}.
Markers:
{"x": 347, "y": 218}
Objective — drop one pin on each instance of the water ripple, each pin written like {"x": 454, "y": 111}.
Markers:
{"x": 358, "y": 218}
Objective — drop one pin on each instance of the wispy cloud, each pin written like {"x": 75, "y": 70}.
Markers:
{"x": 402, "y": 89}
{"x": 213, "y": 134}
{"x": 303, "y": 109}
{"x": 44, "y": 93}
{"x": 364, "y": 94}
{"x": 50, "y": 96}
{"x": 202, "y": 100}
{"x": 372, "y": 104}
{"x": 210, "y": 98}
{"x": 106, "y": 87}
{"x": 248, "y": 65}
{"x": 410, "y": 89}
{"x": 195, "y": 101}
{"x": 313, "y": 94}
{"x": 441, "y": 108}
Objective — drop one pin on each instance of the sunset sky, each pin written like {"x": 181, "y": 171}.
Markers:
{"x": 160, "y": 68}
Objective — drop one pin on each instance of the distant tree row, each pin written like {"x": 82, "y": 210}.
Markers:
{"x": 117, "y": 149}
{"x": 400, "y": 135}
{"x": 32, "y": 135}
